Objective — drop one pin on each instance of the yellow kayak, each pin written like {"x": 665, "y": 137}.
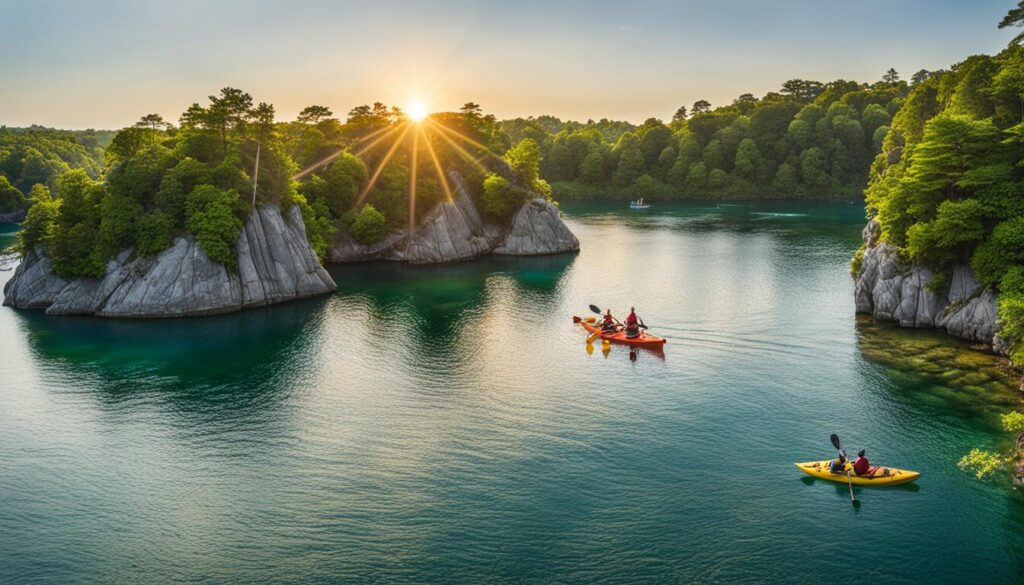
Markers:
{"x": 881, "y": 476}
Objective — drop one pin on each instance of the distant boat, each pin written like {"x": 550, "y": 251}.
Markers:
{"x": 638, "y": 204}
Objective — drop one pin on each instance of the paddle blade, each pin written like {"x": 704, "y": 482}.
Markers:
{"x": 576, "y": 319}
{"x": 591, "y": 319}
{"x": 595, "y": 309}
{"x": 835, "y": 441}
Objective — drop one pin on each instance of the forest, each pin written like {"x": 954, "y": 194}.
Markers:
{"x": 38, "y": 155}
{"x": 947, "y": 186}
{"x": 808, "y": 140}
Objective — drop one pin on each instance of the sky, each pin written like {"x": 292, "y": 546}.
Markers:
{"x": 105, "y": 63}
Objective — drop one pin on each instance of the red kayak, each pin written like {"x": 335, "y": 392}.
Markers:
{"x": 643, "y": 340}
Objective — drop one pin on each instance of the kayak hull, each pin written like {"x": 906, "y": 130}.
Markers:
{"x": 820, "y": 470}
{"x": 642, "y": 340}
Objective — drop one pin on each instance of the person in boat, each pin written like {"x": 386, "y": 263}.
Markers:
{"x": 632, "y": 324}
{"x": 608, "y": 323}
{"x": 838, "y": 465}
{"x": 862, "y": 466}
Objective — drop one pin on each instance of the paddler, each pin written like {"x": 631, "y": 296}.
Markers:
{"x": 838, "y": 465}
{"x": 632, "y": 327}
{"x": 862, "y": 466}
{"x": 608, "y": 324}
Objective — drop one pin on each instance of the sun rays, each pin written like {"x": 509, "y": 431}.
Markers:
{"x": 416, "y": 128}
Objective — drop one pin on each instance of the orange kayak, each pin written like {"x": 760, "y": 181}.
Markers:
{"x": 642, "y": 340}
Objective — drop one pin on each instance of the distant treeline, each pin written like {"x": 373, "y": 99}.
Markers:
{"x": 809, "y": 140}
{"x": 38, "y": 155}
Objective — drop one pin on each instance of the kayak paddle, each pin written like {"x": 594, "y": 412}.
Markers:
{"x": 849, "y": 480}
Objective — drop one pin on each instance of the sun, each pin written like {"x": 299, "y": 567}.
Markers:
{"x": 416, "y": 110}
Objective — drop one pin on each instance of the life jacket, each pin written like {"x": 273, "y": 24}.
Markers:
{"x": 861, "y": 466}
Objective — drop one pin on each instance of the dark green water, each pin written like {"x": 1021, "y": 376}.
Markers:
{"x": 448, "y": 425}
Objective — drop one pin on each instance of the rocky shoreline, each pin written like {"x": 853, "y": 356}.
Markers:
{"x": 455, "y": 231}
{"x": 889, "y": 290}
{"x": 275, "y": 264}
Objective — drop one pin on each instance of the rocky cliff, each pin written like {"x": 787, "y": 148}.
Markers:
{"x": 889, "y": 290}
{"x": 455, "y": 231}
{"x": 275, "y": 264}
{"x": 16, "y": 216}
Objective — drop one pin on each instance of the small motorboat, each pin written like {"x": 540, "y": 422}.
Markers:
{"x": 638, "y": 204}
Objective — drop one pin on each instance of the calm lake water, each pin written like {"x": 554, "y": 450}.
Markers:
{"x": 448, "y": 425}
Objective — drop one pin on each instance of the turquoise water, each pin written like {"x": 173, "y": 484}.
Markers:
{"x": 448, "y": 425}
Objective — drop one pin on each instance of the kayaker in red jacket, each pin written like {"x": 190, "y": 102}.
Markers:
{"x": 609, "y": 322}
{"x": 862, "y": 466}
{"x": 632, "y": 329}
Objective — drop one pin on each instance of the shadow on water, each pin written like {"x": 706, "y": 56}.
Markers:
{"x": 251, "y": 359}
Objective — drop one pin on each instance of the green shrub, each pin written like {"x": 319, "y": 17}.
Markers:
{"x": 938, "y": 283}
{"x": 11, "y": 199}
{"x": 500, "y": 197}
{"x": 1011, "y": 324}
{"x": 118, "y": 216}
{"x": 369, "y": 225}
{"x": 155, "y": 233}
{"x": 318, "y": 225}
{"x": 858, "y": 259}
{"x": 75, "y": 231}
{"x": 1004, "y": 248}
{"x": 42, "y": 213}
{"x": 210, "y": 219}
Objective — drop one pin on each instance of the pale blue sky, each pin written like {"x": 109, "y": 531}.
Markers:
{"x": 103, "y": 63}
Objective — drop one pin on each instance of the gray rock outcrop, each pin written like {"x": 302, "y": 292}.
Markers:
{"x": 454, "y": 231}
{"x": 275, "y": 264}
{"x": 16, "y": 216}
{"x": 888, "y": 290}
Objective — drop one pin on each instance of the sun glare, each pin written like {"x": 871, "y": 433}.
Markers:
{"x": 416, "y": 110}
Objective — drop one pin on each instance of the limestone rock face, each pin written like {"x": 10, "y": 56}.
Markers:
{"x": 275, "y": 264}
{"x": 888, "y": 290}
{"x": 537, "y": 229}
{"x": 16, "y": 216}
{"x": 455, "y": 231}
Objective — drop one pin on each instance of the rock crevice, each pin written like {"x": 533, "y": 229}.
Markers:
{"x": 275, "y": 264}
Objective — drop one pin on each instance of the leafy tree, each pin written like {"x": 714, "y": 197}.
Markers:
{"x": 680, "y": 114}
{"x": 920, "y": 76}
{"x": 129, "y": 142}
{"x": 155, "y": 232}
{"x": 700, "y": 107}
{"x": 39, "y": 220}
{"x": 210, "y": 219}
{"x": 314, "y": 114}
{"x": 891, "y": 76}
{"x": 369, "y": 226}
{"x": 11, "y": 198}
{"x": 76, "y": 229}
{"x": 1014, "y": 18}
{"x": 500, "y": 198}
{"x": 227, "y": 113}
{"x": 152, "y": 121}
{"x": 801, "y": 89}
